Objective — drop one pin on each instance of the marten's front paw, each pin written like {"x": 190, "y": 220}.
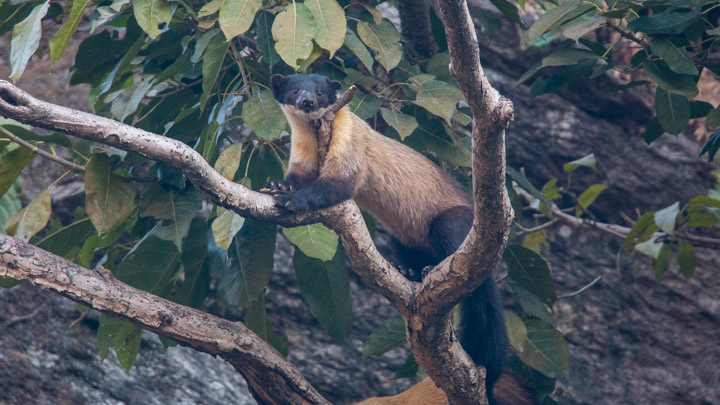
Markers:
{"x": 278, "y": 186}
{"x": 290, "y": 201}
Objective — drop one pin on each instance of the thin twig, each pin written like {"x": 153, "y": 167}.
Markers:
{"x": 34, "y": 149}
{"x": 79, "y": 319}
{"x": 524, "y": 230}
{"x": 33, "y": 314}
{"x": 572, "y": 294}
{"x": 628, "y": 35}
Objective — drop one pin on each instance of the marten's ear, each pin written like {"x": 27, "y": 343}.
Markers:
{"x": 276, "y": 83}
{"x": 336, "y": 85}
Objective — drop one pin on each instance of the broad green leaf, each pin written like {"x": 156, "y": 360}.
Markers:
{"x": 236, "y": 16}
{"x": 62, "y": 241}
{"x": 59, "y": 44}
{"x": 152, "y": 14}
{"x": 653, "y": 131}
{"x": 531, "y": 272}
{"x": 177, "y": 209}
{"x": 408, "y": 369}
{"x": 210, "y": 8}
{"x": 364, "y": 105}
{"x": 567, "y": 56}
{"x": 326, "y": 288}
{"x": 196, "y": 269}
{"x": 585, "y": 161}
{"x": 439, "y": 98}
{"x": 251, "y": 254}
{"x": 643, "y": 226}
{"x": 383, "y": 39}
{"x": 32, "y": 219}
{"x": 517, "y": 332}
{"x": 107, "y": 13}
{"x": 666, "y": 218}
{"x": 10, "y": 204}
{"x": 673, "y": 111}
{"x": 263, "y": 27}
{"x": 668, "y": 80}
{"x": 25, "y": 40}
{"x": 525, "y": 184}
{"x": 128, "y": 99}
{"x": 201, "y": 44}
{"x": 588, "y": 196}
{"x": 358, "y": 48}
{"x": 293, "y": 30}
{"x": 256, "y": 320}
{"x": 151, "y": 266}
{"x": 534, "y": 240}
{"x": 713, "y": 118}
{"x": 579, "y": 28}
{"x": 662, "y": 264}
{"x": 650, "y": 247}
{"x": 554, "y": 18}
{"x": 125, "y": 338}
{"x": 226, "y": 226}
{"x": 711, "y": 146}
{"x": 545, "y": 349}
{"x": 530, "y": 303}
{"x": 703, "y": 219}
{"x": 263, "y": 114}
{"x": 389, "y": 335}
{"x": 673, "y": 21}
{"x": 94, "y": 242}
{"x": 211, "y": 64}
{"x": 229, "y": 161}
{"x": 677, "y": 58}
{"x": 108, "y": 199}
{"x": 686, "y": 260}
{"x": 331, "y": 23}
{"x": 314, "y": 240}
{"x": 404, "y": 124}
{"x": 11, "y": 164}
{"x": 508, "y": 9}
{"x": 119, "y": 68}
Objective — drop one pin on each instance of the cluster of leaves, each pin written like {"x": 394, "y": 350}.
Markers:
{"x": 672, "y": 43}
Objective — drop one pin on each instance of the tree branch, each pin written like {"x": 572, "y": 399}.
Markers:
{"x": 34, "y": 149}
{"x": 416, "y": 29}
{"x": 265, "y": 370}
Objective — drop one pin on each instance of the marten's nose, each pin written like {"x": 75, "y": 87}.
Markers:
{"x": 308, "y": 103}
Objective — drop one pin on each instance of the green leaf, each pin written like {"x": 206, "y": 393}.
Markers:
{"x": 408, "y": 369}
{"x": 314, "y": 240}
{"x": 588, "y": 197}
{"x": 64, "y": 240}
{"x": 660, "y": 74}
{"x": 10, "y": 204}
{"x": 123, "y": 336}
{"x": 384, "y": 40}
{"x": 389, "y": 335}
{"x": 25, "y": 39}
{"x": 251, "y": 253}
{"x": 196, "y": 268}
{"x": 579, "y": 28}
{"x": 364, "y": 105}
{"x": 226, "y": 226}
{"x": 567, "y": 56}
{"x": 650, "y": 247}
{"x": 545, "y": 349}
{"x": 176, "y": 208}
{"x": 11, "y": 164}
{"x": 531, "y": 272}
{"x": 677, "y": 58}
{"x": 672, "y": 21}
{"x": 229, "y": 161}
{"x": 263, "y": 30}
{"x": 517, "y": 332}
{"x": 152, "y": 14}
{"x": 686, "y": 260}
{"x": 585, "y": 161}
{"x": 263, "y": 114}
{"x": 530, "y": 303}
{"x": 108, "y": 199}
{"x": 32, "y": 219}
{"x": 6, "y": 282}
{"x": 666, "y": 218}
{"x": 662, "y": 264}
{"x": 653, "y": 131}
{"x": 128, "y": 99}
{"x": 508, "y": 9}
{"x": 293, "y": 30}
{"x": 236, "y": 16}
{"x": 554, "y": 18}
{"x": 645, "y": 224}
{"x": 211, "y": 64}
{"x": 358, "y": 48}
{"x": 150, "y": 266}
{"x": 331, "y": 23}
{"x": 711, "y": 146}
{"x": 673, "y": 111}
{"x": 713, "y": 118}
{"x": 404, "y": 124}
{"x": 256, "y": 320}
{"x": 326, "y": 288}
{"x": 23, "y": 133}
{"x": 439, "y": 98}
{"x": 210, "y": 8}
{"x": 525, "y": 184}
{"x": 59, "y": 44}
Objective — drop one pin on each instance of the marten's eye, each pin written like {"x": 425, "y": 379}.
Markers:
{"x": 295, "y": 91}
{"x": 319, "y": 93}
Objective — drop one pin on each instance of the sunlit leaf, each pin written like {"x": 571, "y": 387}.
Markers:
{"x": 236, "y": 16}
{"x": 384, "y": 40}
{"x": 358, "y": 48}
{"x": 588, "y": 196}
{"x": 226, "y": 226}
{"x": 293, "y": 30}
{"x": 11, "y": 164}
{"x": 314, "y": 240}
{"x": 585, "y": 161}
{"x": 211, "y": 64}
{"x": 666, "y": 218}
{"x": 59, "y": 44}
{"x": 25, "y": 40}
{"x": 331, "y": 23}
{"x": 32, "y": 219}
{"x": 152, "y": 15}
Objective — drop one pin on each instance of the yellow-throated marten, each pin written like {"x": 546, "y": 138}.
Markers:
{"x": 426, "y": 211}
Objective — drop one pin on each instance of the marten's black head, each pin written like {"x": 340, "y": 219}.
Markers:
{"x": 307, "y": 93}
